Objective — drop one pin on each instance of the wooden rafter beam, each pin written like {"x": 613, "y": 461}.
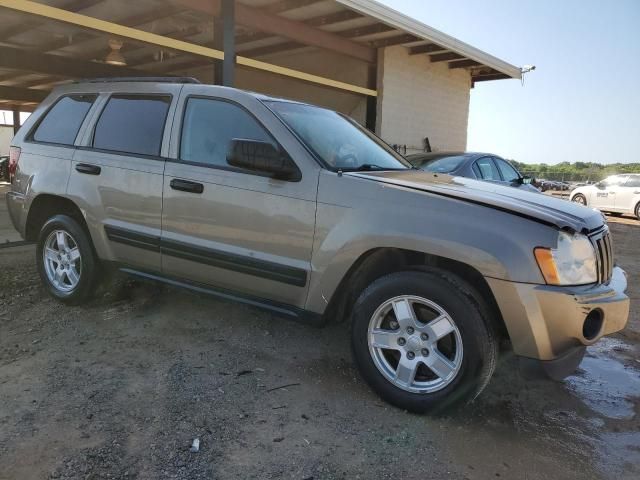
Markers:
{"x": 271, "y": 49}
{"x": 428, "y": 48}
{"x": 445, "y": 57}
{"x": 285, "y": 5}
{"x": 284, "y": 27}
{"x": 397, "y": 40}
{"x": 72, "y": 6}
{"x": 323, "y": 20}
{"x": 366, "y": 30}
{"x": 287, "y": 46}
{"x": 16, "y": 94}
{"x": 492, "y": 76}
{"x": 17, "y": 59}
{"x": 464, "y": 64}
{"x": 21, "y": 107}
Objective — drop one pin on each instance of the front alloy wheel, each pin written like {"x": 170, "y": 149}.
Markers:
{"x": 415, "y": 344}
{"x": 423, "y": 340}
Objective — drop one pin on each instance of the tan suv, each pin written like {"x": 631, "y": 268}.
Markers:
{"x": 299, "y": 210}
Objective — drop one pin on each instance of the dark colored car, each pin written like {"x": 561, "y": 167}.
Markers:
{"x": 4, "y": 167}
{"x": 481, "y": 166}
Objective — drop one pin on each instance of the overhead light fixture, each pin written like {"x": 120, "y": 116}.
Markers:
{"x": 114, "y": 57}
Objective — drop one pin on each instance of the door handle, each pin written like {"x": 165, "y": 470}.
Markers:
{"x": 88, "y": 169}
{"x": 186, "y": 186}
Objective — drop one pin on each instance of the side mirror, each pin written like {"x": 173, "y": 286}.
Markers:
{"x": 526, "y": 180}
{"x": 262, "y": 157}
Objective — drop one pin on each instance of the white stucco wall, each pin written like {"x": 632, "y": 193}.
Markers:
{"x": 420, "y": 99}
{"x": 6, "y": 134}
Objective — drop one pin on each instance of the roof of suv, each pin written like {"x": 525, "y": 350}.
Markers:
{"x": 170, "y": 80}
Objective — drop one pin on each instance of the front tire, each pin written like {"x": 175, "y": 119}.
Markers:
{"x": 66, "y": 262}
{"x": 638, "y": 211}
{"x": 580, "y": 199}
{"x": 423, "y": 340}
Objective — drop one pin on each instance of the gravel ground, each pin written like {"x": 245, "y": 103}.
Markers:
{"x": 119, "y": 389}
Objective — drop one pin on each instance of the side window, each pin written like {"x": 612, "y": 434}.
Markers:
{"x": 210, "y": 125}
{"x": 61, "y": 123}
{"x": 633, "y": 181}
{"x": 487, "y": 169}
{"x": 132, "y": 124}
{"x": 509, "y": 174}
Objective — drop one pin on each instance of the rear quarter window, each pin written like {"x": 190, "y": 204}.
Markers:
{"x": 61, "y": 123}
{"x": 132, "y": 124}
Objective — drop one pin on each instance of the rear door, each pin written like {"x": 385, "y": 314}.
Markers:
{"x": 628, "y": 194}
{"x": 486, "y": 169}
{"x": 230, "y": 228}
{"x": 117, "y": 173}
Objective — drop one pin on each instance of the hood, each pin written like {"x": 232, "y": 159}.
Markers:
{"x": 535, "y": 206}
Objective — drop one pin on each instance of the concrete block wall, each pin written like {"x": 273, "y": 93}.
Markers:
{"x": 420, "y": 99}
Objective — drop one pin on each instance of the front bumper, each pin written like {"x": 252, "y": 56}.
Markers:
{"x": 548, "y": 323}
{"x": 15, "y": 205}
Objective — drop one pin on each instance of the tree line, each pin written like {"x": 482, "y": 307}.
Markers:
{"x": 577, "y": 171}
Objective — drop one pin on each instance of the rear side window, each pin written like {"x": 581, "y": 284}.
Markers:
{"x": 62, "y": 122}
{"x": 486, "y": 169}
{"x": 210, "y": 125}
{"x": 633, "y": 181}
{"x": 132, "y": 124}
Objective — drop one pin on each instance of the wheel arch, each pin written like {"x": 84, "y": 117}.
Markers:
{"x": 45, "y": 206}
{"x": 378, "y": 262}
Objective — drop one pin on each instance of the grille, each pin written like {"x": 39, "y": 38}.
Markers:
{"x": 604, "y": 253}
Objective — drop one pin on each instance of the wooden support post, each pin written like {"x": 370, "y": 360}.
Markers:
{"x": 229, "y": 43}
{"x": 16, "y": 120}
{"x": 372, "y": 102}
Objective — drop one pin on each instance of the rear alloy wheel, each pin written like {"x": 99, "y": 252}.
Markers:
{"x": 423, "y": 340}
{"x": 66, "y": 261}
{"x": 579, "y": 198}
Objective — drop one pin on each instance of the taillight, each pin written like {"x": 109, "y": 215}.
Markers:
{"x": 14, "y": 157}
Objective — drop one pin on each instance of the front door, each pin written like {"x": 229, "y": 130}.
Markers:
{"x": 604, "y": 195}
{"x": 230, "y": 228}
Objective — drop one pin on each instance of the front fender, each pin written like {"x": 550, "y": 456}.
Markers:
{"x": 364, "y": 215}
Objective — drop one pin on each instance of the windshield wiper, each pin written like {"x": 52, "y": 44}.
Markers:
{"x": 367, "y": 167}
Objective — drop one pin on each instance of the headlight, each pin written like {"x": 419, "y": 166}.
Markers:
{"x": 573, "y": 262}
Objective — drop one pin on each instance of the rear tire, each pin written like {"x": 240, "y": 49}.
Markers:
{"x": 580, "y": 199}
{"x": 66, "y": 261}
{"x": 440, "y": 356}
{"x": 638, "y": 211}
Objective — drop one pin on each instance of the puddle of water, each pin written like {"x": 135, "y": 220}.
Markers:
{"x": 605, "y": 384}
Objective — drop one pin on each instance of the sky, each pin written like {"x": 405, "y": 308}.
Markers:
{"x": 582, "y": 103}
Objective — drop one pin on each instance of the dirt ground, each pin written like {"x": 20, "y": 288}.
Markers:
{"x": 120, "y": 388}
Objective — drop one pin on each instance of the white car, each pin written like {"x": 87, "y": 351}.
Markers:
{"x": 616, "y": 194}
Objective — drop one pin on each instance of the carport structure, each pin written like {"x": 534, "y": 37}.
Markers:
{"x": 399, "y": 77}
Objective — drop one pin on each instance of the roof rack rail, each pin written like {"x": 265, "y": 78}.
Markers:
{"x": 140, "y": 79}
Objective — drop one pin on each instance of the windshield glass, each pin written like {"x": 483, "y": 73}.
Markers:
{"x": 340, "y": 143}
{"x": 440, "y": 165}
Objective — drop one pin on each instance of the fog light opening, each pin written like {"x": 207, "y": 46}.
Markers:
{"x": 592, "y": 324}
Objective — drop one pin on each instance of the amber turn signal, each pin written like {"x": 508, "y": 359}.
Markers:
{"x": 547, "y": 265}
